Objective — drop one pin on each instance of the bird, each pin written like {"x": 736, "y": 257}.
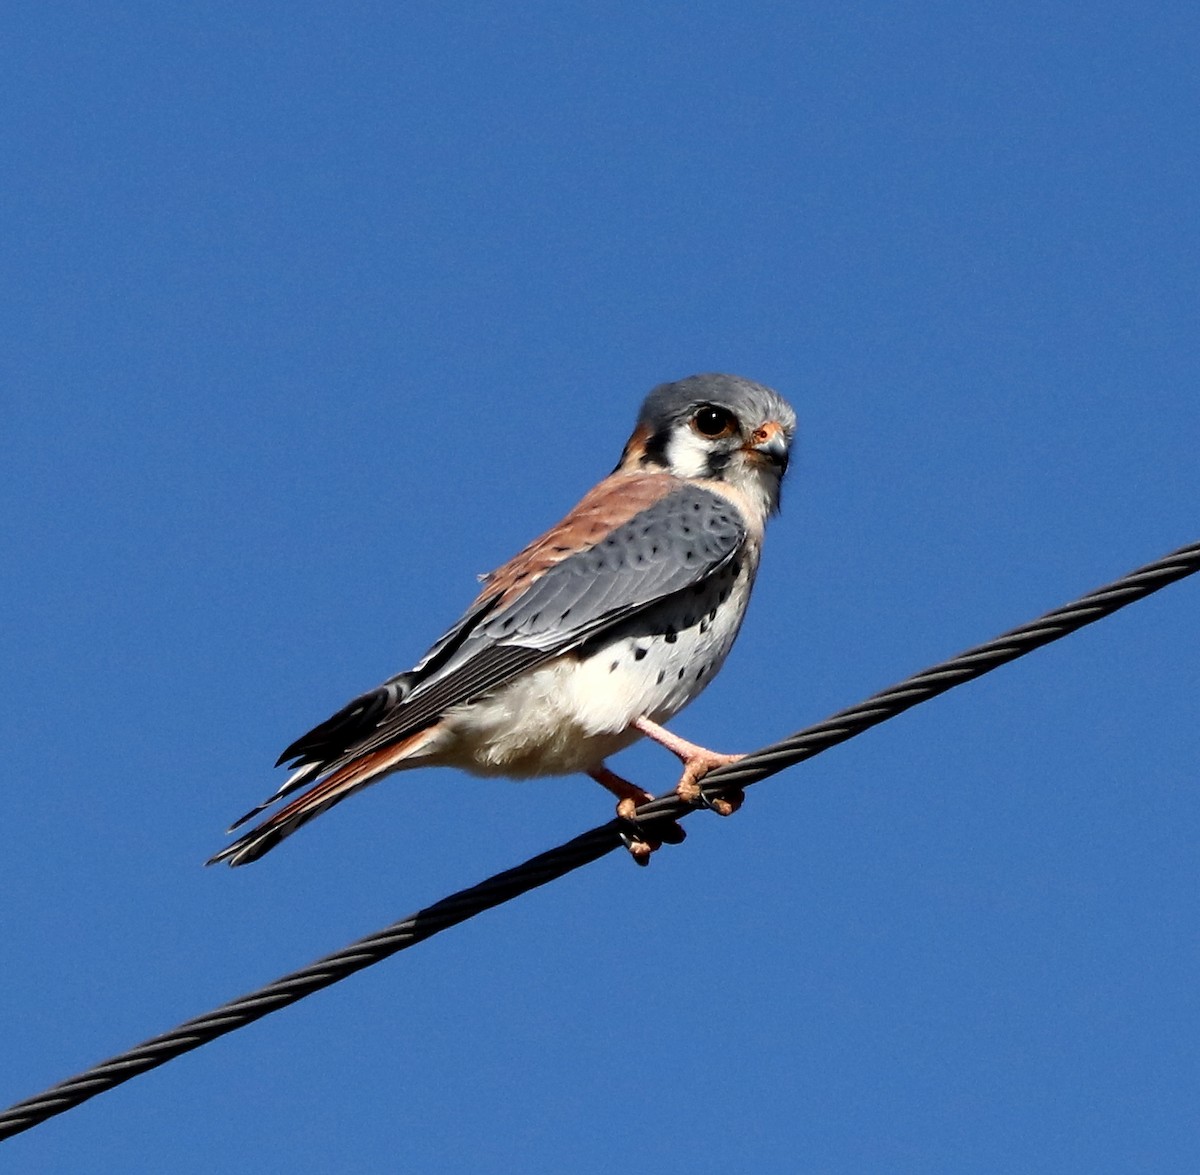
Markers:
{"x": 591, "y": 637}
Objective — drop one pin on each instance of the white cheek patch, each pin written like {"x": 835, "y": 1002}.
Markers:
{"x": 687, "y": 455}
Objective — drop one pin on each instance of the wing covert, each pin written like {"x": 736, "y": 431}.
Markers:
{"x": 678, "y": 541}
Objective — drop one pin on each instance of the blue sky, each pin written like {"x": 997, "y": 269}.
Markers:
{"x": 313, "y": 313}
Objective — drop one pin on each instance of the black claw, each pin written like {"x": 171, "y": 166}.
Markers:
{"x": 634, "y": 835}
{"x": 631, "y": 833}
{"x": 731, "y": 794}
{"x": 666, "y": 832}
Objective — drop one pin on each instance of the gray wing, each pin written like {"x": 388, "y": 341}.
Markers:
{"x": 686, "y": 536}
{"x": 672, "y": 545}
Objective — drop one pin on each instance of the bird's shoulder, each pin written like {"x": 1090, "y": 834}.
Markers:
{"x": 609, "y": 504}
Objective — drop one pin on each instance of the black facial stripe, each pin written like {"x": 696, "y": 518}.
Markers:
{"x": 717, "y": 462}
{"x": 656, "y": 449}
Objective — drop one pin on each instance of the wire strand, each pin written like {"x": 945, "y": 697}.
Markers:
{"x": 591, "y": 846}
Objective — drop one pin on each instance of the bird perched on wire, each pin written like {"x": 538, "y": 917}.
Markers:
{"x": 592, "y": 636}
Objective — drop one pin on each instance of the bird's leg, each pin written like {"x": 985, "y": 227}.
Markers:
{"x": 697, "y": 763}
{"x": 629, "y": 795}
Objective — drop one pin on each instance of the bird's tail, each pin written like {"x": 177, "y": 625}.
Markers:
{"x": 352, "y": 777}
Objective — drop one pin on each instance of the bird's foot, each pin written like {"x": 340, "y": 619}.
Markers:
{"x": 695, "y": 769}
{"x": 697, "y": 762}
{"x": 636, "y": 838}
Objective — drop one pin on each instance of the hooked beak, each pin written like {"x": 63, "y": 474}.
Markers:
{"x": 769, "y": 443}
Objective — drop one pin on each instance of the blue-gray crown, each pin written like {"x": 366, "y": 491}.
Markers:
{"x": 749, "y": 401}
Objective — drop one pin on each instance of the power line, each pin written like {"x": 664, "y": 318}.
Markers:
{"x": 591, "y": 846}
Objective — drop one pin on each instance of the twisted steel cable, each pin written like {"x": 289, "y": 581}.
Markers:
{"x": 591, "y": 846}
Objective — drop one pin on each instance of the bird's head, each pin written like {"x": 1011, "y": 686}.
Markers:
{"x": 721, "y": 427}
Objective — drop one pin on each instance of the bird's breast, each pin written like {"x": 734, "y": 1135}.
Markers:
{"x": 571, "y": 713}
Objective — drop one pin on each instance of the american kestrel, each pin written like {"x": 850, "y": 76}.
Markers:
{"x": 598, "y": 631}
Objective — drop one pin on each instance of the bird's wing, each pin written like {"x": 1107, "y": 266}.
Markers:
{"x": 633, "y": 541}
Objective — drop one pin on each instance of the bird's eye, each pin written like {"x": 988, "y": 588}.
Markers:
{"x": 714, "y": 422}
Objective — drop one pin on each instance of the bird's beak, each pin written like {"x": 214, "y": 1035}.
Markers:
{"x": 769, "y": 443}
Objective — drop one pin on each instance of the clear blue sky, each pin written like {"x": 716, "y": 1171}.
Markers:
{"x": 312, "y": 313}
